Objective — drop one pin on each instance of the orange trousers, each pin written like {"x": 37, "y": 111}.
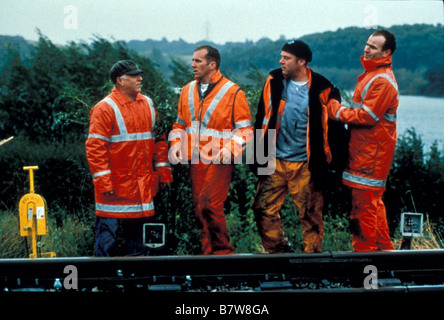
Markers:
{"x": 293, "y": 177}
{"x": 369, "y": 222}
{"x": 210, "y": 184}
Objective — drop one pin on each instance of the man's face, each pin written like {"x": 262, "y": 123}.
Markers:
{"x": 132, "y": 84}
{"x": 373, "y": 48}
{"x": 290, "y": 64}
{"x": 201, "y": 68}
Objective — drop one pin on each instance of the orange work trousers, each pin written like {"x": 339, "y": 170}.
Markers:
{"x": 293, "y": 177}
{"x": 210, "y": 184}
{"x": 369, "y": 222}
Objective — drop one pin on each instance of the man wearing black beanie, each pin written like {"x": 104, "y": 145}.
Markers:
{"x": 294, "y": 125}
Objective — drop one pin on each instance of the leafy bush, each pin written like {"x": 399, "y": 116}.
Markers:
{"x": 416, "y": 181}
{"x": 63, "y": 177}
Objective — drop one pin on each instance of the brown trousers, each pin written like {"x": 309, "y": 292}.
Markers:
{"x": 293, "y": 177}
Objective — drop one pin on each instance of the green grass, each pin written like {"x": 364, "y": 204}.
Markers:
{"x": 74, "y": 235}
{"x": 72, "y": 238}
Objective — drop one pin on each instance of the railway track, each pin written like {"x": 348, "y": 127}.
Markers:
{"x": 405, "y": 271}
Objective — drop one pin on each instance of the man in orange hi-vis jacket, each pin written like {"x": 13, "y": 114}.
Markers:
{"x": 127, "y": 160}
{"x": 372, "y": 120}
{"x": 212, "y": 129}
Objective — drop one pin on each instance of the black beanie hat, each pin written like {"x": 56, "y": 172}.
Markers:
{"x": 299, "y": 48}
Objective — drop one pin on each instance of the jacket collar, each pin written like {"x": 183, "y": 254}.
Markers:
{"x": 374, "y": 64}
{"x": 214, "y": 78}
{"x": 277, "y": 74}
{"x": 121, "y": 98}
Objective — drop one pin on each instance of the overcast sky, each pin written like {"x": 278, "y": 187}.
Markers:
{"x": 219, "y": 21}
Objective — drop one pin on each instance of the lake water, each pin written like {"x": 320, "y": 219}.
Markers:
{"x": 426, "y": 115}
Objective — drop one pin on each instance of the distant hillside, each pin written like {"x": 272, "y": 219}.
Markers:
{"x": 420, "y": 49}
{"x": 418, "y": 61}
{"x": 18, "y": 43}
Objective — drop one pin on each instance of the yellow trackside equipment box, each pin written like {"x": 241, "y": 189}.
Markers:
{"x": 33, "y": 217}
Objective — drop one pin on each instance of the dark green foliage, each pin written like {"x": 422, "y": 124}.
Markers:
{"x": 416, "y": 181}
{"x": 63, "y": 177}
{"x": 435, "y": 78}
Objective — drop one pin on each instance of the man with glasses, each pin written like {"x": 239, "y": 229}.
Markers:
{"x": 127, "y": 161}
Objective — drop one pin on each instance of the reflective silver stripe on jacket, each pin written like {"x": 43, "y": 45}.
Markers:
{"x": 191, "y": 100}
{"x": 363, "y": 180}
{"x": 389, "y": 117}
{"x": 339, "y": 111}
{"x": 124, "y": 135}
{"x": 162, "y": 164}
{"x": 215, "y": 102}
{"x": 355, "y": 105}
{"x": 370, "y": 112}
{"x": 243, "y": 124}
{"x": 180, "y": 121}
{"x": 101, "y": 173}
{"x": 204, "y": 131}
{"x": 380, "y": 75}
{"x": 98, "y": 136}
{"x": 125, "y": 208}
{"x": 153, "y": 111}
{"x": 240, "y": 141}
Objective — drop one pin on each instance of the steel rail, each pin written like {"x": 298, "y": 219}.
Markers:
{"x": 402, "y": 271}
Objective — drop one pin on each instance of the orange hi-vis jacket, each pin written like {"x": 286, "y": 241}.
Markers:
{"x": 124, "y": 156}
{"x": 372, "y": 120}
{"x": 206, "y": 124}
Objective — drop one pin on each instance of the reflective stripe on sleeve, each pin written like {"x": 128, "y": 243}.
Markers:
{"x": 101, "y": 173}
{"x": 162, "y": 164}
{"x": 240, "y": 141}
{"x": 98, "y": 136}
{"x": 180, "y": 121}
{"x": 339, "y": 112}
{"x": 243, "y": 124}
{"x": 370, "y": 112}
{"x": 390, "y": 117}
{"x": 363, "y": 180}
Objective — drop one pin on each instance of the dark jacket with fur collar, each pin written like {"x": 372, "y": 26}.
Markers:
{"x": 338, "y": 135}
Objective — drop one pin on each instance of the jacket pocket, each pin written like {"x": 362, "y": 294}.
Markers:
{"x": 124, "y": 184}
{"x": 363, "y": 156}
